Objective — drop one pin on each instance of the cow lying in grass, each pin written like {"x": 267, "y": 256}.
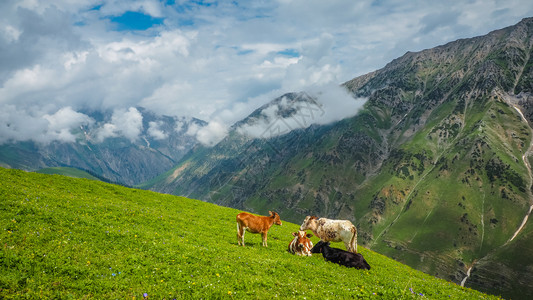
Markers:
{"x": 301, "y": 244}
{"x": 341, "y": 257}
{"x": 333, "y": 231}
{"x": 255, "y": 224}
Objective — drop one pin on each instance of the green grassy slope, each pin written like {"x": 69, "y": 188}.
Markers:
{"x": 63, "y": 237}
{"x": 71, "y": 172}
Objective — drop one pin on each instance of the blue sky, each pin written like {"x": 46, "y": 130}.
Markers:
{"x": 135, "y": 21}
{"x": 213, "y": 60}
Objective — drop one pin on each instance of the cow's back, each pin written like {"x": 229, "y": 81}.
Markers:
{"x": 250, "y": 222}
{"x": 242, "y": 217}
{"x": 334, "y": 230}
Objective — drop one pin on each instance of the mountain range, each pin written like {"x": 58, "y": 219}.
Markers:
{"x": 433, "y": 169}
{"x": 116, "y": 159}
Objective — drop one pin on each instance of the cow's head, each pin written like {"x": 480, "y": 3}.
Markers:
{"x": 318, "y": 248}
{"x": 275, "y": 216}
{"x": 302, "y": 238}
{"x": 309, "y": 223}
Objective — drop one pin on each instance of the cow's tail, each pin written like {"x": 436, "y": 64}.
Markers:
{"x": 238, "y": 235}
{"x": 353, "y": 240}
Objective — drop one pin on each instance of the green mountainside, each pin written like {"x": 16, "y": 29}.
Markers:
{"x": 71, "y": 172}
{"x": 76, "y": 173}
{"x": 64, "y": 237}
{"x": 434, "y": 171}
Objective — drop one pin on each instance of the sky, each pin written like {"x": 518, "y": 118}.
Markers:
{"x": 217, "y": 61}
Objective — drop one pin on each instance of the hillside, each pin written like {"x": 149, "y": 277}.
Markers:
{"x": 76, "y": 173}
{"x": 70, "y": 172}
{"x": 434, "y": 170}
{"x": 76, "y": 238}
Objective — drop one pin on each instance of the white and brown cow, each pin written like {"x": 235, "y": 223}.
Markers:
{"x": 301, "y": 244}
{"x": 333, "y": 231}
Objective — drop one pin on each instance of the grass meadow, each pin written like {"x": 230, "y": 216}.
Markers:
{"x": 69, "y": 238}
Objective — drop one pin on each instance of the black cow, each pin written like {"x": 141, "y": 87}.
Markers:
{"x": 341, "y": 257}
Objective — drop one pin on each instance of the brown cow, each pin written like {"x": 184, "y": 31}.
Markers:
{"x": 255, "y": 224}
{"x": 301, "y": 244}
{"x": 333, "y": 230}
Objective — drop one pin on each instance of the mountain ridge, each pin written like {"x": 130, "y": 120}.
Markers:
{"x": 115, "y": 158}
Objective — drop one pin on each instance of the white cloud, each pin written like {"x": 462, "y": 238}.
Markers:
{"x": 10, "y": 33}
{"x": 180, "y": 123}
{"x": 327, "y": 104}
{"x": 153, "y": 8}
{"x": 192, "y": 130}
{"x": 108, "y": 130}
{"x": 63, "y": 121}
{"x": 19, "y": 125}
{"x": 210, "y": 134}
{"x": 155, "y": 132}
{"x": 126, "y": 123}
{"x": 336, "y": 102}
{"x": 22, "y": 125}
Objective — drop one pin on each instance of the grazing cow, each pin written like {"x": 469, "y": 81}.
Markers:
{"x": 341, "y": 257}
{"x": 255, "y": 224}
{"x": 301, "y": 244}
{"x": 333, "y": 231}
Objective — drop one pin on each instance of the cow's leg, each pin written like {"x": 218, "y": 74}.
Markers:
{"x": 353, "y": 240}
{"x": 264, "y": 235}
{"x": 240, "y": 234}
{"x": 348, "y": 246}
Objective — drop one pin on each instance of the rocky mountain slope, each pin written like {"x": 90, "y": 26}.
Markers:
{"x": 117, "y": 159}
{"x": 434, "y": 170}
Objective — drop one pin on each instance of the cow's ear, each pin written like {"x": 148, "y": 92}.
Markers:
{"x": 314, "y": 217}
{"x": 295, "y": 233}
{"x": 309, "y": 235}
{"x": 271, "y": 213}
